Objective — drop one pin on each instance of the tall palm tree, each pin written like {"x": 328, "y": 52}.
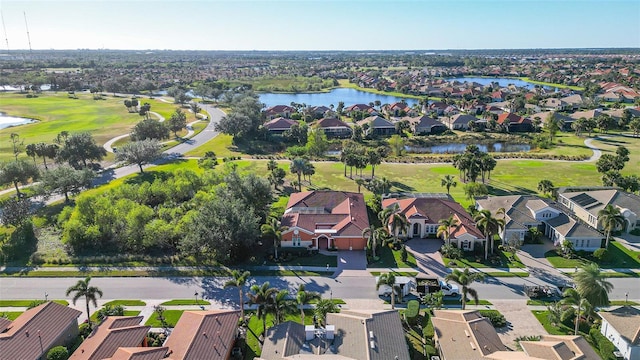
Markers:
{"x": 323, "y": 307}
{"x": 359, "y": 182}
{"x": 448, "y": 181}
{"x": 577, "y": 306}
{"x": 399, "y": 223}
{"x": 464, "y": 279}
{"x": 374, "y": 236}
{"x": 297, "y": 167}
{"x": 390, "y": 280}
{"x": 545, "y": 186}
{"x": 283, "y": 305}
{"x": 444, "y": 229}
{"x": 304, "y": 297}
{"x": 82, "y": 289}
{"x": 238, "y": 280}
{"x": 611, "y": 219}
{"x": 592, "y": 285}
{"x": 273, "y": 229}
{"x": 489, "y": 226}
{"x": 262, "y": 296}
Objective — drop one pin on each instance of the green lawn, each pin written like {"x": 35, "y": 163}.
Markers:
{"x": 469, "y": 302}
{"x": 10, "y": 315}
{"x": 552, "y": 329}
{"x": 26, "y": 303}
{"x": 619, "y": 257}
{"x": 395, "y": 273}
{"x": 470, "y": 260}
{"x": 171, "y": 317}
{"x": 56, "y": 112}
{"x": 126, "y": 303}
{"x": 185, "y": 302}
{"x": 253, "y": 348}
{"x": 334, "y": 300}
{"x": 389, "y": 258}
{"x": 414, "y": 334}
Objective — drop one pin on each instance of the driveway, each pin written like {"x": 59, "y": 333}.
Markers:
{"x": 532, "y": 256}
{"x": 520, "y": 321}
{"x": 427, "y": 255}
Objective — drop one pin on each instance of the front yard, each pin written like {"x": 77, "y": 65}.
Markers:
{"x": 389, "y": 258}
{"x": 618, "y": 257}
{"x": 501, "y": 259}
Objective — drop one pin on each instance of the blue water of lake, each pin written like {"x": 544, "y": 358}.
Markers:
{"x": 7, "y": 121}
{"x": 348, "y": 95}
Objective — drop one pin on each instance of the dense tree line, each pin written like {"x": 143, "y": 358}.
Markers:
{"x": 215, "y": 215}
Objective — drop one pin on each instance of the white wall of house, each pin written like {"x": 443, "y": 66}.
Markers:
{"x": 466, "y": 242}
{"x": 581, "y": 213}
{"x": 628, "y": 352}
{"x": 423, "y": 230}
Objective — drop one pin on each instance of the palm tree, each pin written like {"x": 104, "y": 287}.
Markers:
{"x": 611, "y": 219}
{"x": 545, "y": 186}
{"x": 448, "y": 181}
{"x": 262, "y": 296}
{"x": 359, "y": 182}
{"x": 592, "y": 285}
{"x": 82, "y": 289}
{"x": 283, "y": 305}
{"x": 297, "y": 167}
{"x": 444, "y": 229}
{"x": 374, "y": 236}
{"x": 490, "y": 226}
{"x": 464, "y": 279}
{"x": 273, "y": 229}
{"x": 582, "y": 307}
{"x": 399, "y": 223}
{"x": 390, "y": 280}
{"x": 323, "y": 307}
{"x": 303, "y": 298}
{"x": 239, "y": 280}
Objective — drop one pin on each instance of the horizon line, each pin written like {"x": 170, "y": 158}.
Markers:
{"x": 330, "y": 50}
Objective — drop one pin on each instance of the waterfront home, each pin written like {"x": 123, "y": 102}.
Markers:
{"x": 334, "y": 128}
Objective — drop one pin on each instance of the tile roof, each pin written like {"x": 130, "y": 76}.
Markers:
{"x": 626, "y": 321}
{"x": 139, "y": 353}
{"x": 112, "y": 333}
{"x": 331, "y": 123}
{"x": 203, "y": 334}
{"x": 344, "y": 212}
{"x": 280, "y": 123}
{"x": 465, "y": 334}
{"x": 513, "y": 119}
{"x": 42, "y": 324}
{"x": 435, "y": 209}
{"x": 556, "y": 347}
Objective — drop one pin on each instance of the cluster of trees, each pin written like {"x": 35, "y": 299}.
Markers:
{"x": 610, "y": 166}
{"x": 278, "y": 302}
{"x": 245, "y": 118}
{"x": 473, "y": 163}
{"x": 211, "y": 216}
{"x": 358, "y": 156}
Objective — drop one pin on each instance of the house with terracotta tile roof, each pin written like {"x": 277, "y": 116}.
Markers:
{"x": 279, "y": 125}
{"x": 622, "y": 327}
{"x": 357, "y": 107}
{"x": 139, "y": 353}
{"x": 325, "y": 219}
{"x": 284, "y": 111}
{"x": 348, "y": 335}
{"x": 424, "y": 212}
{"x": 111, "y": 334}
{"x": 334, "y": 128}
{"x": 200, "y": 335}
{"x": 398, "y": 109}
{"x": 37, "y": 330}
{"x": 516, "y": 122}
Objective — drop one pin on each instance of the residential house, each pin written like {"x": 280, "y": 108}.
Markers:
{"x": 398, "y": 109}
{"x": 319, "y": 112}
{"x": 111, "y": 334}
{"x": 493, "y": 110}
{"x": 438, "y": 107}
{"x": 464, "y": 334}
{"x": 554, "y": 104}
{"x": 377, "y": 126}
{"x": 574, "y": 102}
{"x": 522, "y": 213}
{"x": 426, "y": 125}
{"x": 284, "y": 111}
{"x": 37, "y": 330}
{"x": 589, "y": 114}
{"x": 334, "y": 128}
{"x": 348, "y": 335}
{"x": 325, "y": 219}
{"x": 459, "y": 121}
{"x": 357, "y": 107}
{"x": 586, "y": 203}
{"x": 516, "y": 123}
{"x": 279, "y": 125}
{"x": 140, "y": 353}
{"x": 209, "y": 334}
{"x": 622, "y": 327}
{"x": 424, "y": 212}
{"x": 498, "y": 96}
{"x": 565, "y": 121}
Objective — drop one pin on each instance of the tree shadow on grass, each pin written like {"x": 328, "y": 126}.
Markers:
{"x": 402, "y": 187}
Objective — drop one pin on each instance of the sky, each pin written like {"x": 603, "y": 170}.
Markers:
{"x": 320, "y": 24}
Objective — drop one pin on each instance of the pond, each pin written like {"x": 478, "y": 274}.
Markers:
{"x": 348, "y": 95}
{"x": 503, "y": 82}
{"x": 8, "y": 121}
{"x": 457, "y": 148}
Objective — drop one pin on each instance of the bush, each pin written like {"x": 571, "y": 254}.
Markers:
{"x": 601, "y": 254}
{"x": 635, "y": 232}
{"x": 604, "y": 346}
{"x": 404, "y": 255}
{"x": 413, "y": 309}
{"x": 84, "y": 330}
{"x": 496, "y": 318}
{"x": 451, "y": 252}
{"x": 58, "y": 353}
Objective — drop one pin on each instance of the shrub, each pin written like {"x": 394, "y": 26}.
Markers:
{"x": 604, "y": 346}
{"x": 601, "y": 254}
{"x": 84, "y": 330}
{"x": 496, "y": 318}
{"x": 404, "y": 255}
{"x": 451, "y": 252}
{"x": 413, "y": 309}
{"x": 58, "y": 353}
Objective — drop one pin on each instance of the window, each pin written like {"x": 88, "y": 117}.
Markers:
{"x": 296, "y": 240}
